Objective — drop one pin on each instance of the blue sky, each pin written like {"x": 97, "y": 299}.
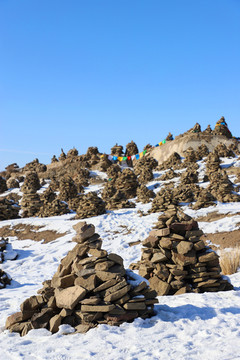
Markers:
{"x": 95, "y": 72}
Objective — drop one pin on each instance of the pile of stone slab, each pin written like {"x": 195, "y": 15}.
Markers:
{"x": 191, "y": 156}
{"x": 50, "y": 205}
{"x": 8, "y": 209}
{"x": 72, "y": 153}
{"x": 3, "y": 185}
{"x": 223, "y": 151}
{"x": 31, "y": 182}
{"x": 212, "y": 163}
{"x": 163, "y": 199}
{"x": 103, "y": 164}
{"x": 35, "y": 166}
{"x": 12, "y": 183}
{"x": 67, "y": 188}
{"x": 144, "y": 173}
{"x": 221, "y": 187}
{"x": 3, "y": 245}
{"x": 90, "y": 204}
{"x": 221, "y": 128}
{"x": 115, "y": 199}
{"x": 90, "y": 287}
{"x": 4, "y": 279}
{"x": 117, "y": 150}
{"x": 204, "y": 199}
{"x": 202, "y": 151}
{"x": 144, "y": 194}
{"x": 82, "y": 178}
{"x": 169, "y": 175}
{"x": 174, "y": 161}
{"x": 175, "y": 260}
{"x": 127, "y": 183}
{"x": 30, "y": 203}
{"x": 131, "y": 149}
{"x": 189, "y": 177}
{"x": 62, "y": 156}
{"x": 54, "y": 159}
{"x": 113, "y": 172}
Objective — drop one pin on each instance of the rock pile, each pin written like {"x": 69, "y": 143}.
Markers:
{"x": 62, "y": 156}
{"x": 82, "y": 178}
{"x": 30, "y": 203}
{"x": 115, "y": 199}
{"x": 144, "y": 194}
{"x": 169, "y": 137}
{"x": 90, "y": 205}
{"x": 189, "y": 177}
{"x": 212, "y": 163}
{"x": 131, "y": 149}
{"x": 190, "y": 156}
{"x": 221, "y": 187}
{"x": 170, "y": 174}
{"x": 12, "y": 183}
{"x": 54, "y": 159}
{"x": 113, "y": 172}
{"x": 127, "y": 183}
{"x": 176, "y": 261}
{"x": 90, "y": 287}
{"x": 104, "y": 163}
{"x": 31, "y": 182}
{"x": 221, "y": 128}
{"x": 208, "y": 130}
{"x": 50, "y": 206}
{"x": 202, "y": 151}
{"x": 163, "y": 199}
{"x": 4, "y": 279}
{"x": 72, "y": 153}
{"x": 222, "y": 151}
{"x": 204, "y": 199}
{"x": 3, "y": 185}
{"x": 35, "y": 166}
{"x": 3, "y": 245}
{"x": 117, "y": 150}
{"x": 8, "y": 209}
{"x": 174, "y": 161}
{"x": 67, "y": 188}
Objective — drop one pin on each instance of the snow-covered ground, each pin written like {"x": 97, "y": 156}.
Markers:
{"x": 190, "y": 326}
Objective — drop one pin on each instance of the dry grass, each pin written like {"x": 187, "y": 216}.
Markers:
{"x": 230, "y": 261}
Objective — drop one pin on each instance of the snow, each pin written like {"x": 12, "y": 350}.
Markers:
{"x": 185, "y": 327}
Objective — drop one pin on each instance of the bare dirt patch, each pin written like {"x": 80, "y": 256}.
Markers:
{"x": 215, "y": 215}
{"x": 24, "y": 232}
{"x": 223, "y": 240}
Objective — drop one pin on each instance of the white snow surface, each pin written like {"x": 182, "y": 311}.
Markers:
{"x": 189, "y": 326}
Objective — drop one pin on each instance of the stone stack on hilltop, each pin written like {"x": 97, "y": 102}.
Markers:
{"x": 90, "y": 287}
{"x": 175, "y": 260}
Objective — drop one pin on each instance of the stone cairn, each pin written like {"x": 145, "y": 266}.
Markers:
{"x": 222, "y": 151}
{"x": 208, "y": 130}
{"x": 30, "y": 203}
{"x": 92, "y": 156}
{"x": 67, "y": 188}
{"x": 72, "y": 153}
{"x": 221, "y": 128}
{"x": 176, "y": 261}
{"x": 204, "y": 199}
{"x": 54, "y": 159}
{"x": 90, "y": 287}
{"x": 115, "y": 199}
{"x": 12, "y": 183}
{"x": 35, "y": 166}
{"x": 62, "y": 156}
{"x": 50, "y": 205}
{"x": 113, "y": 172}
{"x": 169, "y": 175}
{"x": 104, "y": 163}
{"x": 90, "y": 205}
{"x": 221, "y": 187}
{"x": 117, "y": 150}
{"x": 82, "y": 178}
{"x": 127, "y": 183}
{"x": 174, "y": 161}
{"x": 131, "y": 149}
{"x": 8, "y": 209}
{"x": 190, "y": 156}
{"x": 189, "y": 177}
{"x": 212, "y": 163}
{"x": 4, "y": 279}
{"x": 202, "y": 151}
{"x": 143, "y": 172}
{"x": 144, "y": 194}
{"x": 3, "y": 185}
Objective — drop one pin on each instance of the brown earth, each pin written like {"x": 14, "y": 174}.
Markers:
{"x": 224, "y": 239}
{"x": 215, "y": 215}
{"x": 25, "y": 232}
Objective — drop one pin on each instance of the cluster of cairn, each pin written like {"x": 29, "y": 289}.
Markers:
{"x": 175, "y": 260}
{"x": 221, "y": 187}
{"x": 143, "y": 168}
{"x": 90, "y": 287}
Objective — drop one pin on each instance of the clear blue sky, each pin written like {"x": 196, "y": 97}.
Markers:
{"x": 79, "y": 73}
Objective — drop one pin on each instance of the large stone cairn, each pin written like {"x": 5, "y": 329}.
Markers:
{"x": 30, "y": 203}
{"x": 92, "y": 156}
{"x": 127, "y": 183}
{"x": 144, "y": 194}
{"x": 174, "y": 161}
{"x": 113, "y": 172}
{"x": 90, "y": 205}
{"x": 143, "y": 169}
{"x": 196, "y": 128}
{"x": 221, "y": 128}
{"x": 50, "y": 205}
{"x": 117, "y": 150}
{"x": 72, "y": 153}
{"x": 202, "y": 151}
{"x": 176, "y": 261}
{"x": 189, "y": 177}
{"x": 3, "y": 185}
{"x": 169, "y": 175}
{"x": 67, "y": 188}
{"x": 131, "y": 149}
{"x": 190, "y": 156}
{"x": 82, "y": 178}
{"x": 221, "y": 187}
{"x": 204, "y": 199}
{"x": 90, "y": 287}
{"x": 8, "y": 209}
{"x": 163, "y": 199}
{"x": 115, "y": 199}
{"x": 35, "y": 166}
{"x": 104, "y": 163}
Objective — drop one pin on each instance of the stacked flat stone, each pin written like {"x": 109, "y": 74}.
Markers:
{"x": 221, "y": 128}
{"x": 222, "y": 151}
{"x": 115, "y": 199}
{"x": 54, "y": 159}
{"x": 144, "y": 194}
{"x": 8, "y": 209}
{"x": 143, "y": 169}
{"x": 186, "y": 193}
{"x": 90, "y": 205}
{"x": 104, "y": 163}
{"x": 212, "y": 163}
{"x": 62, "y": 156}
{"x": 12, "y": 183}
{"x": 176, "y": 261}
{"x": 127, "y": 183}
{"x": 163, "y": 199}
{"x": 3, "y": 185}
{"x": 30, "y": 203}
{"x": 117, "y": 150}
{"x": 189, "y": 177}
{"x": 190, "y": 156}
{"x": 35, "y": 166}
{"x": 202, "y": 151}
{"x": 208, "y": 130}
{"x": 50, "y": 205}
{"x": 31, "y": 183}
{"x": 72, "y": 153}
{"x": 90, "y": 287}
{"x": 174, "y": 161}
{"x": 169, "y": 175}
{"x": 204, "y": 199}
{"x": 113, "y": 172}
{"x": 82, "y": 178}
{"x": 221, "y": 187}
{"x": 67, "y": 188}
{"x": 131, "y": 149}
{"x": 5, "y": 279}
